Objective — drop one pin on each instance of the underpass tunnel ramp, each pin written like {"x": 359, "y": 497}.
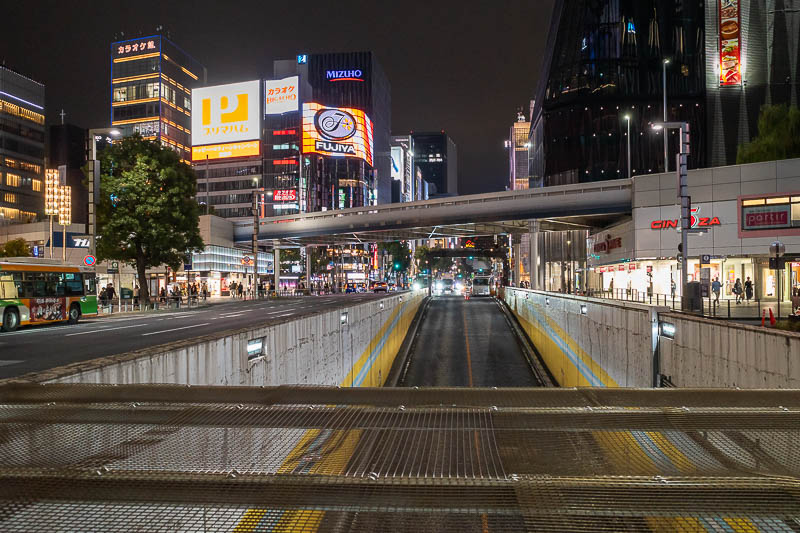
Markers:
{"x": 177, "y": 458}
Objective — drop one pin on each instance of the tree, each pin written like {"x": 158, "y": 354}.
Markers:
{"x": 147, "y": 215}
{"x": 401, "y": 255}
{"x": 778, "y": 136}
{"x": 427, "y": 259}
{"x": 15, "y": 248}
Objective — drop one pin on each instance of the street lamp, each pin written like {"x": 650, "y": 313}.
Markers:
{"x": 683, "y": 196}
{"x": 628, "y": 120}
{"x": 664, "y": 81}
{"x": 93, "y": 136}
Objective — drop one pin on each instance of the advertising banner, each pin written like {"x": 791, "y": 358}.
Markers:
{"x": 285, "y": 195}
{"x": 337, "y": 132}
{"x": 224, "y": 151}
{"x": 44, "y": 309}
{"x": 281, "y": 96}
{"x": 226, "y": 114}
{"x": 730, "y": 43}
{"x": 398, "y": 163}
{"x": 766, "y": 217}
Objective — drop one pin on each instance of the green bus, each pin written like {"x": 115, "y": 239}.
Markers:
{"x": 43, "y": 291}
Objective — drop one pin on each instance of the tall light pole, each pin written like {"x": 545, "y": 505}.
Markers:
{"x": 93, "y": 136}
{"x": 664, "y": 81}
{"x": 683, "y": 197}
{"x": 628, "y": 120}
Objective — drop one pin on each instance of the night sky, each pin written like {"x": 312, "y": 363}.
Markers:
{"x": 462, "y": 66}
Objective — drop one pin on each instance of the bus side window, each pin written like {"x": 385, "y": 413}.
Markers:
{"x": 8, "y": 289}
{"x": 71, "y": 284}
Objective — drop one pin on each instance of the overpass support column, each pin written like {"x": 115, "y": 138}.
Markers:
{"x": 276, "y": 266}
{"x": 533, "y": 256}
{"x": 516, "y": 254}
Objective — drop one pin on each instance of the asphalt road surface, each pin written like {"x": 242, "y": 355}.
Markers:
{"x": 467, "y": 343}
{"x": 32, "y": 349}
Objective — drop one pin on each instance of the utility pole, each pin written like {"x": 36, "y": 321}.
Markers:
{"x": 686, "y": 205}
{"x": 254, "y": 285}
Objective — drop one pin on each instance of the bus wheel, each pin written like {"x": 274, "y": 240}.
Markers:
{"x": 10, "y": 320}
{"x": 74, "y": 314}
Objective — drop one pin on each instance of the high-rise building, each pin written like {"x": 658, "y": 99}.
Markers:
{"x": 518, "y": 153}
{"x": 22, "y": 145}
{"x": 151, "y": 83}
{"x": 608, "y": 59}
{"x": 67, "y": 146}
{"x": 436, "y": 156}
{"x": 404, "y": 186}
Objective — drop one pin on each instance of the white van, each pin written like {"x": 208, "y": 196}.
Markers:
{"x": 481, "y": 286}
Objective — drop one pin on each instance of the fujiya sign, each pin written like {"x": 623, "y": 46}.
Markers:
{"x": 697, "y": 221}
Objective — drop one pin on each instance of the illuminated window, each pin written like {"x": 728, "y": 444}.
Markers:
{"x": 781, "y": 200}
{"x": 37, "y": 185}
{"x": 12, "y": 180}
{"x": 10, "y": 198}
{"x": 13, "y": 109}
{"x": 759, "y": 201}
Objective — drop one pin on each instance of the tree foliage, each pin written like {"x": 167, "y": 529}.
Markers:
{"x": 15, "y": 248}
{"x": 400, "y": 253}
{"x": 147, "y": 214}
{"x": 778, "y": 136}
{"x": 427, "y": 259}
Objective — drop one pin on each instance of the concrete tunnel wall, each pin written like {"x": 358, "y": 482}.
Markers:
{"x": 317, "y": 349}
{"x": 617, "y": 344}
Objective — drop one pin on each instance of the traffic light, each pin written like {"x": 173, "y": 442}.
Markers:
{"x": 471, "y": 258}
{"x": 397, "y": 266}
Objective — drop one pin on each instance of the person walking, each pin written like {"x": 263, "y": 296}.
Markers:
{"x": 748, "y": 289}
{"x": 232, "y": 288}
{"x": 716, "y": 286}
{"x": 135, "y": 295}
{"x": 611, "y": 287}
{"x": 239, "y": 290}
{"x": 737, "y": 290}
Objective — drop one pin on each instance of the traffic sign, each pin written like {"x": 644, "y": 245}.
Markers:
{"x": 247, "y": 260}
{"x": 90, "y": 260}
{"x": 114, "y": 268}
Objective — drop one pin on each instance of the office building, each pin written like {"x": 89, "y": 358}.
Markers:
{"x": 436, "y": 156}
{"x": 151, "y": 83}
{"x": 22, "y": 146}
{"x": 605, "y": 60}
{"x": 404, "y": 185}
{"x": 518, "y": 153}
{"x": 67, "y": 146}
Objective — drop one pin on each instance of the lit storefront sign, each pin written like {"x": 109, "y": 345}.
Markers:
{"x": 226, "y": 115}
{"x": 226, "y": 150}
{"x": 344, "y": 75}
{"x": 697, "y": 221}
{"x": 766, "y": 217}
{"x": 398, "y": 163}
{"x": 339, "y": 132}
{"x": 730, "y": 46}
{"x": 281, "y": 96}
{"x": 136, "y": 47}
{"x": 285, "y": 195}
{"x": 769, "y": 215}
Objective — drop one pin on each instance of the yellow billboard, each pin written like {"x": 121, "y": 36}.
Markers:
{"x": 226, "y": 150}
{"x": 337, "y": 132}
{"x": 226, "y": 113}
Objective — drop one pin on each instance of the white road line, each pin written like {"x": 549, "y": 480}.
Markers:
{"x": 105, "y": 329}
{"x": 9, "y": 362}
{"x": 175, "y": 329}
{"x": 231, "y": 316}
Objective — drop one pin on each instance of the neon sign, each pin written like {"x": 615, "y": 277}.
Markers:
{"x": 344, "y": 75}
{"x": 285, "y": 195}
{"x": 730, "y": 47}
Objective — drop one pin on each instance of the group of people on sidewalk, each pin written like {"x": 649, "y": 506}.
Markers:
{"x": 741, "y": 291}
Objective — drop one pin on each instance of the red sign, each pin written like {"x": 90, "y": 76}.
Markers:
{"x": 766, "y": 216}
{"x": 730, "y": 46}
{"x": 89, "y": 260}
{"x": 601, "y": 269}
{"x": 696, "y": 222}
{"x": 649, "y": 269}
{"x": 608, "y": 245}
{"x": 632, "y": 266}
{"x": 285, "y": 195}
{"x": 621, "y": 268}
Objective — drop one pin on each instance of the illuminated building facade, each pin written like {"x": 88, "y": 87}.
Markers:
{"x": 518, "y": 154}
{"x": 22, "y": 148}
{"x": 310, "y": 173}
{"x": 151, "y": 83}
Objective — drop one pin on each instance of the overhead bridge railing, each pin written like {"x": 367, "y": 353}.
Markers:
{"x": 176, "y": 458}
{"x": 578, "y": 199}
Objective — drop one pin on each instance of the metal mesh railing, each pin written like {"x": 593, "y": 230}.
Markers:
{"x": 171, "y": 458}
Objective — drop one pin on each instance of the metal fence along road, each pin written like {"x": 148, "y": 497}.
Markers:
{"x": 173, "y": 458}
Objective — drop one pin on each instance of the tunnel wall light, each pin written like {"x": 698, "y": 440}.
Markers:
{"x": 584, "y": 309}
{"x": 255, "y": 349}
{"x": 667, "y": 330}
{"x": 343, "y": 318}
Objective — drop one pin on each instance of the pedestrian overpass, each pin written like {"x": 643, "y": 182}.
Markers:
{"x": 576, "y": 206}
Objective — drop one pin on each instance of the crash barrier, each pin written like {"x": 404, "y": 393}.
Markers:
{"x": 607, "y": 343}
{"x": 354, "y": 345}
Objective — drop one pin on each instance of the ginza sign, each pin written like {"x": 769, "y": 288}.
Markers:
{"x": 697, "y": 222}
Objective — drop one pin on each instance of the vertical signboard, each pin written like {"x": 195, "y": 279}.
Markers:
{"x": 226, "y": 121}
{"x": 730, "y": 43}
{"x": 281, "y": 96}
